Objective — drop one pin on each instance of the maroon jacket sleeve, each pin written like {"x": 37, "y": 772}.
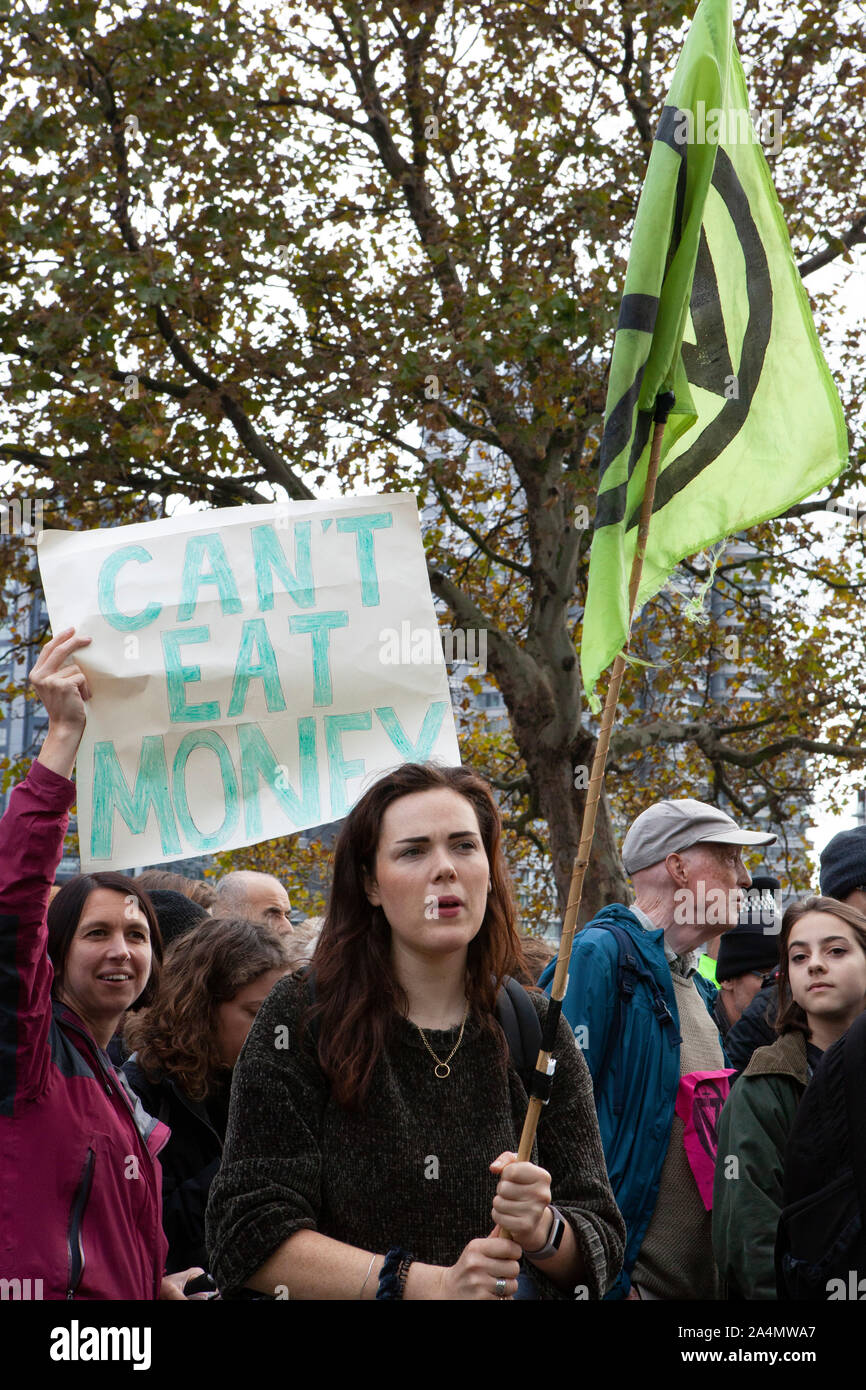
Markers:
{"x": 31, "y": 847}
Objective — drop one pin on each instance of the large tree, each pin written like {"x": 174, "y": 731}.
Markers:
{"x": 252, "y": 252}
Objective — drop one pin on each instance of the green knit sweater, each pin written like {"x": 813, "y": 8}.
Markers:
{"x": 411, "y": 1169}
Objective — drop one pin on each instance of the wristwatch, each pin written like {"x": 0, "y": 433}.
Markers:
{"x": 554, "y": 1240}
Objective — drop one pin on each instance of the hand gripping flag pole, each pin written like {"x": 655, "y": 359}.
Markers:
{"x": 542, "y": 1080}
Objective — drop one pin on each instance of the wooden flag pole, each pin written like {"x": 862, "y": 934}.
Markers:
{"x": 664, "y": 403}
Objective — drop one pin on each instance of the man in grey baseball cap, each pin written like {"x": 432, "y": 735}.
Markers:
{"x": 641, "y": 1013}
{"x": 668, "y": 827}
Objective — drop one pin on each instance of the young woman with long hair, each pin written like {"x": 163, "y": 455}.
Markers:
{"x": 822, "y": 989}
{"x": 185, "y": 1045}
{"x": 72, "y": 1135}
{"x": 376, "y": 1107}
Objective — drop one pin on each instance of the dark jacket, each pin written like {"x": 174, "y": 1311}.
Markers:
{"x": 754, "y": 1130}
{"x": 721, "y": 1019}
{"x": 80, "y": 1184}
{"x": 821, "y": 1243}
{"x": 636, "y": 1100}
{"x": 190, "y": 1161}
{"x": 753, "y": 1029}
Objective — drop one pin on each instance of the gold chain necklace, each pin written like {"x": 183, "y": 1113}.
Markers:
{"x": 438, "y": 1060}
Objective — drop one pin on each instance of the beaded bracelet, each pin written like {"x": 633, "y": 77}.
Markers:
{"x": 393, "y": 1274}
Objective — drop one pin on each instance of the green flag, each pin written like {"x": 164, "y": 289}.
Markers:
{"x": 715, "y": 311}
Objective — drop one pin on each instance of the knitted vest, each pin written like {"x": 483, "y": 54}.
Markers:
{"x": 676, "y": 1257}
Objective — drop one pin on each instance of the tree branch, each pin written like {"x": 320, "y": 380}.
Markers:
{"x": 502, "y": 647}
{"x": 706, "y": 737}
{"x": 275, "y": 467}
{"x": 518, "y": 784}
{"x": 165, "y": 388}
{"x": 518, "y": 827}
{"x": 320, "y": 108}
{"x": 836, "y": 247}
{"x": 480, "y": 433}
{"x": 409, "y": 178}
{"x": 474, "y": 535}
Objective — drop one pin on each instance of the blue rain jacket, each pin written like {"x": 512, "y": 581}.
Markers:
{"x": 637, "y": 1095}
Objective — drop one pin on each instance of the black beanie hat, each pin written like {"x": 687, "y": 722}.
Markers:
{"x": 752, "y": 944}
{"x": 175, "y": 913}
{"x": 843, "y": 863}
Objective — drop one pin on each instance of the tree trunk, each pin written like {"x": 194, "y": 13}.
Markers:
{"x": 561, "y": 805}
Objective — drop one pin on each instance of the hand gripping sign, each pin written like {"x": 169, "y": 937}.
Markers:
{"x": 238, "y": 688}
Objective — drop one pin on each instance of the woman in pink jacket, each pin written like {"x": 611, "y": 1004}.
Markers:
{"x": 80, "y": 1182}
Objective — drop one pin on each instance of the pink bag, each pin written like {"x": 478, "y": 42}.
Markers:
{"x": 700, "y": 1097}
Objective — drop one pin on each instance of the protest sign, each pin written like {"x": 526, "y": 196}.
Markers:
{"x": 242, "y": 687}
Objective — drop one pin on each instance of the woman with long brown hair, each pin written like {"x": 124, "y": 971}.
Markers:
{"x": 215, "y": 979}
{"x": 822, "y": 990}
{"x": 376, "y": 1108}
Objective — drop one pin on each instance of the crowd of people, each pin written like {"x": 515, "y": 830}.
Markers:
{"x": 200, "y": 1098}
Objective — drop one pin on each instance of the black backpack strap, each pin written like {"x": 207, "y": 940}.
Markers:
{"x": 506, "y": 1014}
{"x": 628, "y": 972}
{"x": 615, "y": 1029}
{"x": 522, "y": 1027}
